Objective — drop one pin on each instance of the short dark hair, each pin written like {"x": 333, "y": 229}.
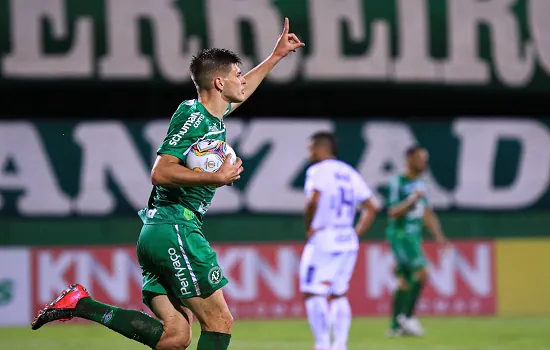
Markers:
{"x": 326, "y": 139}
{"x": 208, "y": 62}
{"x": 413, "y": 149}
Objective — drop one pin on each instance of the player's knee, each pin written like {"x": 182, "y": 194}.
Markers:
{"x": 174, "y": 341}
{"x": 176, "y": 335}
{"x": 402, "y": 283}
{"x": 221, "y": 321}
{"x": 422, "y": 276}
{"x": 337, "y": 296}
{"x": 228, "y": 321}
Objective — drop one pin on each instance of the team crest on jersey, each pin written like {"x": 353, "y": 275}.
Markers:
{"x": 215, "y": 275}
{"x": 213, "y": 128}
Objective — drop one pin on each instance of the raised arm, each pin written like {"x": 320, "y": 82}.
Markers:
{"x": 286, "y": 43}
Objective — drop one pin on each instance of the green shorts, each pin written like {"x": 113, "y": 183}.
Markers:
{"x": 408, "y": 253}
{"x": 177, "y": 260}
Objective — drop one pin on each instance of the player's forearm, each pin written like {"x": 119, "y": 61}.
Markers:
{"x": 255, "y": 76}
{"x": 402, "y": 208}
{"x": 177, "y": 175}
{"x": 365, "y": 221}
{"x": 434, "y": 226}
{"x": 311, "y": 208}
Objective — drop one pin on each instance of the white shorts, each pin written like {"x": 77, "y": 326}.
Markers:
{"x": 326, "y": 272}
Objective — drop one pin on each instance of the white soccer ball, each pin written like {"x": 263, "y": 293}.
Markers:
{"x": 209, "y": 155}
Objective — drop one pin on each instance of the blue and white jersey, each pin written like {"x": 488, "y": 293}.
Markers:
{"x": 342, "y": 189}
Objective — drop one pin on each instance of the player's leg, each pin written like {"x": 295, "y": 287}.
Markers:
{"x": 177, "y": 322}
{"x": 200, "y": 283}
{"x": 315, "y": 289}
{"x": 215, "y": 319}
{"x": 401, "y": 293}
{"x": 417, "y": 281}
{"x": 340, "y": 308}
{"x": 76, "y": 302}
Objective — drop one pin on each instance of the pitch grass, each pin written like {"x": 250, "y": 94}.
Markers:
{"x": 518, "y": 333}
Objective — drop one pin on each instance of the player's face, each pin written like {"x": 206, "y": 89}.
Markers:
{"x": 233, "y": 87}
{"x": 313, "y": 151}
{"x": 419, "y": 160}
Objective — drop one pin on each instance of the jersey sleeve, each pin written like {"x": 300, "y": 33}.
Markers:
{"x": 361, "y": 189}
{"x": 179, "y": 137}
{"x": 314, "y": 180}
{"x": 393, "y": 191}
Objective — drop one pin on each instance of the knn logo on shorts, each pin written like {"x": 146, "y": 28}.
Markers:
{"x": 215, "y": 275}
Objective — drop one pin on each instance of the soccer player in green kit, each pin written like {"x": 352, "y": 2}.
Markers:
{"x": 181, "y": 275}
{"x": 409, "y": 211}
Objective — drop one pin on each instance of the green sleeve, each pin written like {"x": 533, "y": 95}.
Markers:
{"x": 182, "y": 133}
{"x": 393, "y": 191}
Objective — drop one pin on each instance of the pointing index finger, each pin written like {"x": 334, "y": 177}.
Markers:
{"x": 286, "y": 27}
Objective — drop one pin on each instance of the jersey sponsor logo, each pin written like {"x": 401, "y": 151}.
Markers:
{"x": 194, "y": 119}
{"x": 215, "y": 275}
{"x": 180, "y": 271}
{"x": 199, "y": 120}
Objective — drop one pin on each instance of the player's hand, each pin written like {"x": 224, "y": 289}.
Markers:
{"x": 287, "y": 43}
{"x": 228, "y": 173}
{"x": 416, "y": 195}
{"x": 443, "y": 244}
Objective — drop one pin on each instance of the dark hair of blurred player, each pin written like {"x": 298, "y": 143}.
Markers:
{"x": 322, "y": 145}
{"x": 416, "y": 160}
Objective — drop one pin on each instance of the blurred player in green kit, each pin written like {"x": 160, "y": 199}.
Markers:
{"x": 409, "y": 211}
{"x": 181, "y": 275}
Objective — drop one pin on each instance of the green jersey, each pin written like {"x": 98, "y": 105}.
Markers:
{"x": 190, "y": 124}
{"x": 411, "y": 224}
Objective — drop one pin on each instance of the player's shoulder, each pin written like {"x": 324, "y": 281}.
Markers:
{"x": 341, "y": 166}
{"x": 396, "y": 180}
{"x": 188, "y": 113}
{"x": 313, "y": 169}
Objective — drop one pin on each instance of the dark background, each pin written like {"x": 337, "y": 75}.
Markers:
{"x": 142, "y": 100}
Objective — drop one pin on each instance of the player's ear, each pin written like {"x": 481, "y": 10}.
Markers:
{"x": 218, "y": 83}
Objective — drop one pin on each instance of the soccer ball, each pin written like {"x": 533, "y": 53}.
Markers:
{"x": 209, "y": 155}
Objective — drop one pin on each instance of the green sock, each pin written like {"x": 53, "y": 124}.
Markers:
{"x": 213, "y": 341}
{"x": 416, "y": 289}
{"x": 132, "y": 324}
{"x": 399, "y": 302}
